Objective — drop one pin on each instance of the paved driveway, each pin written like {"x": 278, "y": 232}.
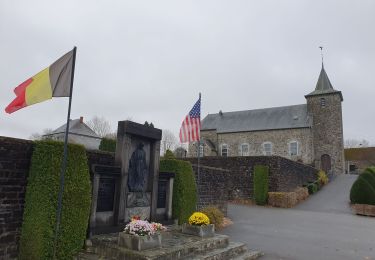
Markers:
{"x": 318, "y": 229}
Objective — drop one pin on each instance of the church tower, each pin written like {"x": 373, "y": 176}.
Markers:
{"x": 324, "y": 107}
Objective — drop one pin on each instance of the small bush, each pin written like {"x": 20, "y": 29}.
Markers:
{"x": 184, "y": 188}
{"x": 322, "y": 177}
{"x": 215, "y": 215}
{"x": 362, "y": 192}
{"x": 260, "y": 184}
{"x": 282, "y": 199}
{"x": 107, "y": 144}
{"x": 312, "y": 187}
{"x": 38, "y": 227}
{"x": 302, "y": 193}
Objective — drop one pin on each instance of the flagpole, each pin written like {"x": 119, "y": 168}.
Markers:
{"x": 199, "y": 150}
{"x": 64, "y": 160}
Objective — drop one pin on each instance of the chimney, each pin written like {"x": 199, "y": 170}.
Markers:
{"x": 81, "y": 119}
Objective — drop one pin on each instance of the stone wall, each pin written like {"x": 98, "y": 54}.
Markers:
{"x": 284, "y": 174}
{"x": 279, "y": 139}
{"x": 212, "y": 187}
{"x": 15, "y": 155}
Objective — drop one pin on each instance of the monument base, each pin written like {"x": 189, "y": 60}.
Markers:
{"x": 142, "y": 212}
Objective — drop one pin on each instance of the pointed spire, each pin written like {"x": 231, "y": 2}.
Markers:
{"x": 323, "y": 86}
{"x": 323, "y": 83}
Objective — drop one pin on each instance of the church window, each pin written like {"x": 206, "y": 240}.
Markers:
{"x": 224, "y": 150}
{"x": 244, "y": 151}
{"x": 293, "y": 148}
{"x": 322, "y": 102}
{"x": 267, "y": 148}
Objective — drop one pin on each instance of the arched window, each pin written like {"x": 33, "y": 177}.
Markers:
{"x": 267, "y": 148}
{"x": 224, "y": 150}
{"x": 244, "y": 149}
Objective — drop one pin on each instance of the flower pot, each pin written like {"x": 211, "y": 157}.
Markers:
{"x": 201, "y": 231}
{"x": 135, "y": 242}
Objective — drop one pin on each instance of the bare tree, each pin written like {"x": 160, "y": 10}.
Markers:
{"x": 356, "y": 143}
{"x": 39, "y": 136}
{"x": 100, "y": 126}
{"x": 168, "y": 141}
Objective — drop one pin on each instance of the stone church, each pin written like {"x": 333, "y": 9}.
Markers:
{"x": 311, "y": 133}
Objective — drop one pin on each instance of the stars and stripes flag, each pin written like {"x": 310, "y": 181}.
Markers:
{"x": 191, "y": 126}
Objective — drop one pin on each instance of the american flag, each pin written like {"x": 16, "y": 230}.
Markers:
{"x": 191, "y": 126}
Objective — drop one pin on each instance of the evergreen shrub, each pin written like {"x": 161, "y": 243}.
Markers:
{"x": 260, "y": 184}
{"x": 312, "y": 187}
{"x": 38, "y": 229}
{"x": 369, "y": 177}
{"x": 362, "y": 192}
{"x": 215, "y": 215}
{"x": 107, "y": 144}
{"x": 184, "y": 200}
{"x": 370, "y": 170}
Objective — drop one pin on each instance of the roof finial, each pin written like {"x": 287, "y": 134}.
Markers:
{"x": 321, "y": 53}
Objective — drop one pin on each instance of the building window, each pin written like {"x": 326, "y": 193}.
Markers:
{"x": 293, "y": 148}
{"x": 224, "y": 150}
{"x": 201, "y": 150}
{"x": 322, "y": 102}
{"x": 244, "y": 149}
{"x": 267, "y": 148}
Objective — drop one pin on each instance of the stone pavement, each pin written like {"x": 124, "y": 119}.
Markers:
{"x": 321, "y": 228}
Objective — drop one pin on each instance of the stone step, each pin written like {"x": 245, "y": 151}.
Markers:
{"x": 175, "y": 245}
{"x": 249, "y": 255}
{"x": 234, "y": 249}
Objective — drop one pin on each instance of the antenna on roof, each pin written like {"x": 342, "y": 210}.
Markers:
{"x": 321, "y": 53}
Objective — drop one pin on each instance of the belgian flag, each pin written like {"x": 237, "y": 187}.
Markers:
{"x": 53, "y": 81}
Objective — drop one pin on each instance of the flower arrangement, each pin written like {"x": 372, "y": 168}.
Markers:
{"x": 199, "y": 219}
{"x": 142, "y": 227}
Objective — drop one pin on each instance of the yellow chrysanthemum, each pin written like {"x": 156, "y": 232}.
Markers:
{"x": 199, "y": 218}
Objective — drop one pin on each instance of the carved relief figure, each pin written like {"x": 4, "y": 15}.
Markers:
{"x": 138, "y": 170}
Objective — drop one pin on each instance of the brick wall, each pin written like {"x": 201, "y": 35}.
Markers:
{"x": 15, "y": 155}
{"x": 285, "y": 175}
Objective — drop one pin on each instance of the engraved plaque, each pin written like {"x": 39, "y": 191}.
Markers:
{"x": 106, "y": 194}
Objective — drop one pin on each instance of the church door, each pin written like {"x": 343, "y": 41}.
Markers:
{"x": 325, "y": 163}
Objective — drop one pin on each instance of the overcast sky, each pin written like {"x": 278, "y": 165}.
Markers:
{"x": 148, "y": 60}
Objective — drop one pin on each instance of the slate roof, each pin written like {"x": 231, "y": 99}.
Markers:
{"x": 76, "y": 127}
{"x": 323, "y": 86}
{"x": 287, "y": 117}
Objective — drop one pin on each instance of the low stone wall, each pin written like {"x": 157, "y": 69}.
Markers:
{"x": 212, "y": 187}
{"x": 284, "y": 175}
{"x": 15, "y": 155}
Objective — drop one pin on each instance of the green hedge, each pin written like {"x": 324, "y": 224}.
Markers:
{"x": 107, "y": 144}
{"x": 260, "y": 184}
{"x": 369, "y": 177}
{"x": 370, "y": 170}
{"x": 184, "y": 188}
{"x": 39, "y": 217}
{"x": 362, "y": 192}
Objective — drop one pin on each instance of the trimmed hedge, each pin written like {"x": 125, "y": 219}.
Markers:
{"x": 184, "y": 200}
{"x": 38, "y": 229}
{"x": 260, "y": 184}
{"x": 107, "y": 144}
{"x": 369, "y": 177}
{"x": 362, "y": 192}
{"x": 370, "y": 170}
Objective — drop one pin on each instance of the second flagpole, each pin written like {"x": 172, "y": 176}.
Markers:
{"x": 64, "y": 161}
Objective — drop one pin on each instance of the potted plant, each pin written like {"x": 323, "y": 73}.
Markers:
{"x": 140, "y": 235}
{"x": 199, "y": 225}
